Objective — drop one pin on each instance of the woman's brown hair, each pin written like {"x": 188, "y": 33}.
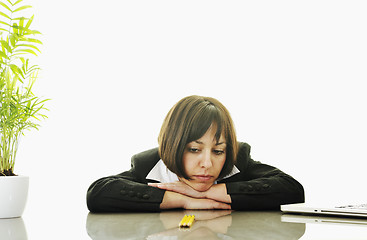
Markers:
{"x": 187, "y": 121}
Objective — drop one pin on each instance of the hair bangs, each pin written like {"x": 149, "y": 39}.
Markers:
{"x": 206, "y": 117}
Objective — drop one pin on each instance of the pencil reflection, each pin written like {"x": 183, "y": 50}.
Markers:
{"x": 208, "y": 224}
{"x": 12, "y": 229}
{"x": 214, "y": 224}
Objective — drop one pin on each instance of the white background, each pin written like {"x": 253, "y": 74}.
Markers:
{"x": 292, "y": 74}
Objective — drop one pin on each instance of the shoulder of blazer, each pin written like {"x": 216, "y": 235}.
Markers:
{"x": 243, "y": 155}
{"x": 244, "y": 148}
{"x": 143, "y": 162}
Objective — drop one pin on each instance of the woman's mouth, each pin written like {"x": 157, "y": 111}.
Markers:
{"x": 203, "y": 178}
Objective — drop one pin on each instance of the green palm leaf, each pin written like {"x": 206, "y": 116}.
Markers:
{"x": 4, "y": 15}
{"x": 5, "y": 6}
{"x": 21, "y": 8}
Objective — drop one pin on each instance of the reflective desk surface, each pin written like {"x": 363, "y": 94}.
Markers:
{"x": 214, "y": 224}
{"x": 223, "y": 225}
{"x": 208, "y": 225}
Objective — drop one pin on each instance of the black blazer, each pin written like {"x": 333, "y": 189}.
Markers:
{"x": 256, "y": 187}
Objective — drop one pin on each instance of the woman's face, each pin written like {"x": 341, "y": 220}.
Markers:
{"x": 203, "y": 160}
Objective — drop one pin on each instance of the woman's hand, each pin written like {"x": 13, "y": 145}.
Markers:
{"x": 195, "y": 203}
{"x": 179, "y": 187}
{"x": 217, "y": 192}
{"x": 177, "y": 200}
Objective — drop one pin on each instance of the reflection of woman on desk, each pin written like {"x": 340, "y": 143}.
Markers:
{"x": 199, "y": 165}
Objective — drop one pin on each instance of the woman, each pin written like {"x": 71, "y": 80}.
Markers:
{"x": 198, "y": 165}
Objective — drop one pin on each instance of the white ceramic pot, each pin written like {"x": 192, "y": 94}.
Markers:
{"x": 13, "y": 195}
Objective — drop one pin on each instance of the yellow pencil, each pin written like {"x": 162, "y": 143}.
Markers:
{"x": 190, "y": 221}
{"x": 183, "y": 221}
{"x": 187, "y": 221}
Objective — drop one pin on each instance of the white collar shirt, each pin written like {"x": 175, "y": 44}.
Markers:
{"x": 162, "y": 174}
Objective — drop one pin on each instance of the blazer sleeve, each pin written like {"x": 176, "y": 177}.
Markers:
{"x": 127, "y": 191}
{"x": 259, "y": 186}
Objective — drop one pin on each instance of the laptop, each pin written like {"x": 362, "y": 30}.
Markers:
{"x": 357, "y": 210}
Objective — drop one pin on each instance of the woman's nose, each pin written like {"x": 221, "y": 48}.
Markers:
{"x": 206, "y": 161}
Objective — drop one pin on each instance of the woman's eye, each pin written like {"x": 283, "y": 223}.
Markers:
{"x": 194, "y": 150}
{"x": 218, "y": 152}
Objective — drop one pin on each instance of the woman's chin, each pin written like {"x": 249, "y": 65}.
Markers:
{"x": 201, "y": 187}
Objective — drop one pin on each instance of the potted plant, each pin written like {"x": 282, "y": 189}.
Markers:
{"x": 20, "y": 109}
